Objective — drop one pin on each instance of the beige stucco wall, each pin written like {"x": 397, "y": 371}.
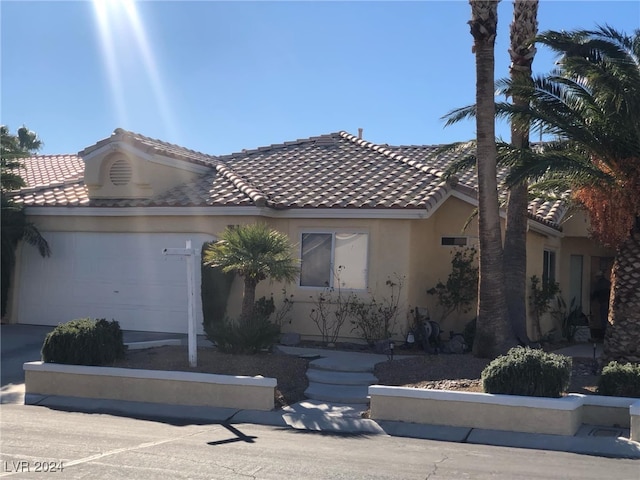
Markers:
{"x": 410, "y": 249}
{"x": 149, "y": 177}
{"x": 634, "y": 411}
{"x": 476, "y": 410}
{"x": 430, "y": 262}
{"x": 173, "y": 388}
{"x": 388, "y": 255}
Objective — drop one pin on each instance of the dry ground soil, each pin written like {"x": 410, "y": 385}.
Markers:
{"x": 452, "y": 372}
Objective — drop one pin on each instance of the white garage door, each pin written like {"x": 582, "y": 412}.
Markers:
{"x": 119, "y": 276}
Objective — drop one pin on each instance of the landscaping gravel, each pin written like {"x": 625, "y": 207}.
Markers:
{"x": 444, "y": 371}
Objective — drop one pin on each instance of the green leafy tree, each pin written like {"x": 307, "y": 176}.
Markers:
{"x": 494, "y": 334}
{"x": 255, "y": 252}
{"x": 14, "y": 223}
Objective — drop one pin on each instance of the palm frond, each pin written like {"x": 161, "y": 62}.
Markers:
{"x": 459, "y": 114}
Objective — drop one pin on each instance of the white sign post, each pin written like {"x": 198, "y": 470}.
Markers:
{"x": 190, "y": 253}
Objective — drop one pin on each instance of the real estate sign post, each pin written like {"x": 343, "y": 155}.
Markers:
{"x": 190, "y": 254}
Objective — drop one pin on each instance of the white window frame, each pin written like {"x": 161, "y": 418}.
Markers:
{"x": 332, "y": 276}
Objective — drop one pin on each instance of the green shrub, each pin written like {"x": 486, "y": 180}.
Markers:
{"x": 525, "y": 371}
{"x": 247, "y": 336}
{"x": 264, "y": 307}
{"x": 620, "y": 380}
{"x": 214, "y": 289}
{"x": 84, "y": 342}
{"x": 376, "y": 320}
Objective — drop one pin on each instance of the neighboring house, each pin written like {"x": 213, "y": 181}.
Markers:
{"x": 376, "y": 210}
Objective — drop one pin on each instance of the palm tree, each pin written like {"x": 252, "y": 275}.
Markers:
{"x": 14, "y": 224}
{"x": 590, "y": 106}
{"x": 523, "y": 30}
{"x": 494, "y": 335}
{"x": 255, "y": 252}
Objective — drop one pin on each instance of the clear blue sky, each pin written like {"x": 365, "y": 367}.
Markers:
{"x": 222, "y": 76}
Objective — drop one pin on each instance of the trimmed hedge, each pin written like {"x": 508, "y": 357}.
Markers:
{"x": 525, "y": 371}
{"x": 620, "y": 380}
{"x": 84, "y": 342}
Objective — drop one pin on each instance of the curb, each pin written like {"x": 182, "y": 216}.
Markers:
{"x": 598, "y": 446}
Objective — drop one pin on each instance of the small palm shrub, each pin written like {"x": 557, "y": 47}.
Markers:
{"x": 247, "y": 336}
{"x": 620, "y": 380}
{"x": 84, "y": 342}
{"x": 525, "y": 371}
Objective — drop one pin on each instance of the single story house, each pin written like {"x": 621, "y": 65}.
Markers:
{"x": 376, "y": 210}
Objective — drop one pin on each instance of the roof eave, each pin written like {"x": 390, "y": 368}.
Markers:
{"x": 334, "y": 213}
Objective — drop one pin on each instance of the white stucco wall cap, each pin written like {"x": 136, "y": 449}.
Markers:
{"x": 564, "y": 403}
{"x": 151, "y": 374}
{"x": 605, "y": 401}
{"x": 634, "y": 409}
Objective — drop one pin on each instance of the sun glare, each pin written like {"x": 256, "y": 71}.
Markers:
{"x": 118, "y": 19}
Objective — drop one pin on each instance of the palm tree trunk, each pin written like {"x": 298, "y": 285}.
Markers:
{"x": 248, "y": 299}
{"x": 515, "y": 260}
{"x": 494, "y": 335}
{"x": 622, "y": 338}
{"x": 523, "y": 30}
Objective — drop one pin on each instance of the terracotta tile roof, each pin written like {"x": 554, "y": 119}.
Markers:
{"x": 336, "y": 170}
{"x": 48, "y": 170}
{"x": 152, "y": 145}
{"x": 549, "y": 212}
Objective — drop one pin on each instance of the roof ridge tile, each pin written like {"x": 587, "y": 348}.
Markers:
{"x": 253, "y": 193}
{"x": 388, "y": 151}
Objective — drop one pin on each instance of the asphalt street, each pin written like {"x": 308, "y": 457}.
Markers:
{"x": 112, "y": 447}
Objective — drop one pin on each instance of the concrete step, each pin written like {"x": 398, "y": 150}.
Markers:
{"x": 341, "y": 378}
{"x": 340, "y": 365}
{"x": 338, "y": 393}
{"x": 318, "y": 407}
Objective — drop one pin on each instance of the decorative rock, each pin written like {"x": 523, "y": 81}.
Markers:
{"x": 290, "y": 339}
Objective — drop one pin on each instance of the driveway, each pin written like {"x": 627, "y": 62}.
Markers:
{"x": 22, "y": 343}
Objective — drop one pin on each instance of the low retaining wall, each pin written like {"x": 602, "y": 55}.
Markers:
{"x": 606, "y": 411}
{"x": 155, "y": 386}
{"x": 635, "y": 421}
{"x": 559, "y": 416}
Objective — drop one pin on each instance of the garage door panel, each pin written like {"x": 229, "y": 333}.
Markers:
{"x": 115, "y": 276}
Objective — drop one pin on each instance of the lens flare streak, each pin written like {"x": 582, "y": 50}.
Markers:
{"x": 123, "y": 16}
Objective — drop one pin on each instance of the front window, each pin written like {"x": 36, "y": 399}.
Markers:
{"x": 329, "y": 258}
{"x": 549, "y": 267}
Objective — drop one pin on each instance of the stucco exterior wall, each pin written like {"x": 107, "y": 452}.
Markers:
{"x": 410, "y": 249}
{"x": 430, "y": 261}
{"x": 388, "y": 257}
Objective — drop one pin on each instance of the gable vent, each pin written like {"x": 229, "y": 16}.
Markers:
{"x": 120, "y": 172}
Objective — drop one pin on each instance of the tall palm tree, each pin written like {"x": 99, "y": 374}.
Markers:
{"x": 494, "y": 335}
{"x": 590, "y": 106}
{"x": 523, "y": 31}
{"x": 14, "y": 224}
{"x": 255, "y": 252}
